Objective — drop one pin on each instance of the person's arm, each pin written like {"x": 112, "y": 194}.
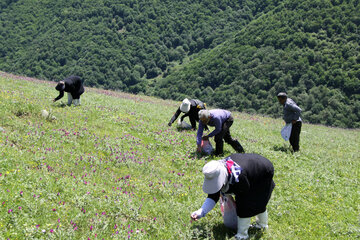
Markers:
{"x": 207, "y": 206}
{"x": 184, "y": 116}
{"x": 217, "y": 127}
{"x": 176, "y": 115}
{"x": 61, "y": 94}
{"x": 296, "y": 109}
{"x": 199, "y": 134}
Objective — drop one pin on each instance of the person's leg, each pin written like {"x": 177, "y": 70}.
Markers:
{"x": 76, "y": 102}
{"x": 70, "y": 99}
{"x": 227, "y": 136}
{"x": 219, "y": 148}
{"x": 76, "y": 97}
{"x": 262, "y": 220}
{"x": 243, "y": 226}
{"x": 295, "y": 136}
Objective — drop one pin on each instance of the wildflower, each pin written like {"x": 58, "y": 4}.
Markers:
{"x": 10, "y": 211}
{"x": 51, "y": 230}
{"x": 91, "y": 228}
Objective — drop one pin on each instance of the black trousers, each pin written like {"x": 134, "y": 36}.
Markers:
{"x": 295, "y": 136}
{"x": 224, "y": 134}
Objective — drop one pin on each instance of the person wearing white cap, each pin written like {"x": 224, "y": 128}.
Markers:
{"x": 291, "y": 115}
{"x": 191, "y": 109}
{"x": 247, "y": 176}
{"x": 74, "y": 88}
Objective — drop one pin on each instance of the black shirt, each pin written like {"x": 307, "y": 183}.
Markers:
{"x": 74, "y": 86}
{"x": 255, "y": 185}
{"x": 193, "y": 113}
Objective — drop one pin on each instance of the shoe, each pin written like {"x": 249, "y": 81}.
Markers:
{"x": 259, "y": 226}
{"x": 241, "y": 237}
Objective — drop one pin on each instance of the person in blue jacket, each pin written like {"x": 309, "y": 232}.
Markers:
{"x": 222, "y": 121}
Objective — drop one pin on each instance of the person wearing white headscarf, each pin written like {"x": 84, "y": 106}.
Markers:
{"x": 191, "y": 109}
{"x": 247, "y": 176}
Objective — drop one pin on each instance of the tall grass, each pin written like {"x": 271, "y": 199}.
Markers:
{"x": 112, "y": 169}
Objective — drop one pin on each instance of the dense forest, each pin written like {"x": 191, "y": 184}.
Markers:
{"x": 114, "y": 44}
{"x": 231, "y": 54}
{"x": 309, "y": 49}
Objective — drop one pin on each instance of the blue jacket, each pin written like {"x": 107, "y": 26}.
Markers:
{"x": 217, "y": 118}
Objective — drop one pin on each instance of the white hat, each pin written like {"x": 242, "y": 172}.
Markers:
{"x": 215, "y": 174}
{"x": 185, "y": 105}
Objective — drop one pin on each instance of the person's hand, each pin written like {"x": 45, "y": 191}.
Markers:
{"x": 194, "y": 216}
{"x": 198, "y": 149}
{"x": 54, "y": 100}
{"x": 169, "y": 124}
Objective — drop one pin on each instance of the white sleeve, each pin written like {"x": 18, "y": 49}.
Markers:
{"x": 207, "y": 206}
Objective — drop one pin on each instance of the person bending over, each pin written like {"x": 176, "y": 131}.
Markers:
{"x": 247, "y": 176}
{"x": 74, "y": 88}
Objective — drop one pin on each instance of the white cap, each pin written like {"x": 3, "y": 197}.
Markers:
{"x": 185, "y": 105}
{"x": 215, "y": 174}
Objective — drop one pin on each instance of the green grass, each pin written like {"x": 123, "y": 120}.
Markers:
{"x": 112, "y": 168}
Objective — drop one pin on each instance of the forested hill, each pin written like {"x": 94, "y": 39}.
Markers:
{"x": 115, "y": 44}
{"x": 231, "y": 54}
{"x": 307, "y": 48}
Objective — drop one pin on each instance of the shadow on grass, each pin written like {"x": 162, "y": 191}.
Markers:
{"x": 282, "y": 148}
{"x": 180, "y": 129}
{"x": 217, "y": 232}
{"x": 220, "y": 232}
{"x": 60, "y": 105}
{"x": 255, "y": 234}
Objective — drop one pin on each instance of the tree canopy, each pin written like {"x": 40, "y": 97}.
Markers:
{"x": 310, "y": 49}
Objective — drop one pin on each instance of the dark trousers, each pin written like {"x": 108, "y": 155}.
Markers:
{"x": 295, "y": 135}
{"x": 224, "y": 134}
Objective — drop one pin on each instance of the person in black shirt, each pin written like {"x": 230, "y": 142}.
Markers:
{"x": 247, "y": 176}
{"x": 73, "y": 86}
{"x": 191, "y": 109}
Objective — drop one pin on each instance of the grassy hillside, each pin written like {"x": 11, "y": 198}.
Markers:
{"x": 307, "y": 48}
{"x": 113, "y": 169}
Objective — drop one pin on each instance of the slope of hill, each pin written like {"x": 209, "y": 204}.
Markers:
{"x": 114, "y": 44}
{"x": 308, "y": 48}
{"x": 113, "y": 169}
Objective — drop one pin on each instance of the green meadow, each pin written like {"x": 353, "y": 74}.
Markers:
{"x": 112, "y": 169}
